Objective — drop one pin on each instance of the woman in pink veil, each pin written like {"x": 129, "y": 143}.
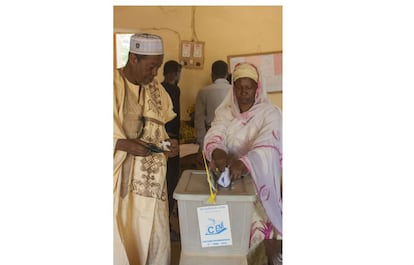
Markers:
{"x": 246, "y": 137}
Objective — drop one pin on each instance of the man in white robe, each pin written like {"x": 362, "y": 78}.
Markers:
{"x": 141, "y": 109}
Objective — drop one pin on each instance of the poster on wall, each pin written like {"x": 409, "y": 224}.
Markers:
{"x": 269, "y": 65}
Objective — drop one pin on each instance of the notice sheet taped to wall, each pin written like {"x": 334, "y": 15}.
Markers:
{"x": 269, "y": 65}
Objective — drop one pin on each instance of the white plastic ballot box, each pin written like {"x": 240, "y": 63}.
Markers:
{"x": 214, "y": 232}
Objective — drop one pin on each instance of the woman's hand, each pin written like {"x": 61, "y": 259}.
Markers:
{"x": 237, "y": 169}
{"x": 133, "y": 147}
{"x": 220, "y": 158}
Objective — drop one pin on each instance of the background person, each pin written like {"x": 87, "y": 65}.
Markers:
{"x": 172, "y": 72}
{"x": 209, "y": 98}
{"x": 141, "y": 109}
{"x": 246, "y": 137}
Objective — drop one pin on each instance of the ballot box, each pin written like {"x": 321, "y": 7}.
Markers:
{"x": 214, "y": 232}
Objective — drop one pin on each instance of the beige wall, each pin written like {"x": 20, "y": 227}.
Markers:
{"x": 226, "y": 30}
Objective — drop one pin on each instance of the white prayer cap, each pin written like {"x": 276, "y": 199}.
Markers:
{"x": 146, "y": 44}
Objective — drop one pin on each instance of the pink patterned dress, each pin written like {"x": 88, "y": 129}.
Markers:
{"x": 254, "y": 137}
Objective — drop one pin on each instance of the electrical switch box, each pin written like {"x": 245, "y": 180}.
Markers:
{"x": 192, "y": 54}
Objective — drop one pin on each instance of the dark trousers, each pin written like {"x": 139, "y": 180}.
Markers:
{"x": 173, "y": 174}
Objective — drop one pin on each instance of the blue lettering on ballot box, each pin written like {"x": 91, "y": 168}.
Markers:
{"x": 216, "y": 229}
{"x": 214, "y": 233}
{"x": 214, "y": 224}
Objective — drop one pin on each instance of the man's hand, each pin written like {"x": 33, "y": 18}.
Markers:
{"x": 174, "y": 148}
{"x": 132, "y": 146}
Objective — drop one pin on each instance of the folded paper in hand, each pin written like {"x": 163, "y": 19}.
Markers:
{"x": 165, "y": 145}
{"x": 224, "y": 179}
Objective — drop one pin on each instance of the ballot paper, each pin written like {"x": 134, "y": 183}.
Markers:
{"x": 224, "y": 179}
{"x": 165, "y": 145}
